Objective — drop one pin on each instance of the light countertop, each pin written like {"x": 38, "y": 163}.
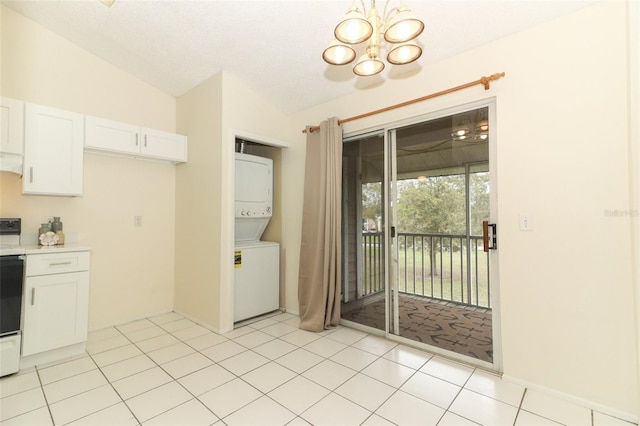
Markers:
{"x": 65, "y": 248}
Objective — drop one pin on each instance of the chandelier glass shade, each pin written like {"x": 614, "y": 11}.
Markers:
{"x": 338, "y": 53}
{"x": 462, "y": 130}
{"x": 354, "y": 28}
{"x": 404, "y": 26}
{"x": 404, "y": 53}
{"x": 471, "y": 129}
{"x": 368, "y": 65}
{"x": 398, "y": 28}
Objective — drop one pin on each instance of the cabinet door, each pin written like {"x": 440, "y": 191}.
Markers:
{"x": 165, "y": 145}
{"x": 53, "y": 149}
{"x": 55, "y": 311}
{"x": 111, "y": 135}
{"x": 11, "y": 126}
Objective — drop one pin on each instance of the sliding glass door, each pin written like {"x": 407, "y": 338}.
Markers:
{"x": 416, "y": 197}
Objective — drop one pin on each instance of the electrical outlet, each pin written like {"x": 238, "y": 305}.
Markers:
{"x": 526, "y": 222}
{"x": 137, "y": 221}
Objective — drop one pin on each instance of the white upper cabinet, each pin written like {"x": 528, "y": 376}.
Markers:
{"x": 11, "y": 126}
{"x": 158, "y": 144}
{"x": 53, "y": 151}
{"x": 111, "y": 135}
{"x": 11, "y": 135}
{"x": 115, "y": 137}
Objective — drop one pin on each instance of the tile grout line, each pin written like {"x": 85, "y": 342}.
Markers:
{"x": 263, "y": 394}
{"x": 75, "y": 395}
{"x": 166, "y": 372}
{"x": 173, "y": 379}
{"x": 112, "y": 387}
{"x": 145, "y": 353}
{"x": 379, "y": 357}
{"x": 447, "y": 410}
{"x": 218, "y": 364}
{"x": 330, "y": 391}
{"x": 524, "y": 393}
{"x": 44, "y": 395}
{"x": 282, "y": 384}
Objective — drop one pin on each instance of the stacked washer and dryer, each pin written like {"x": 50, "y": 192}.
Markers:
{"x": 257, "y": 262}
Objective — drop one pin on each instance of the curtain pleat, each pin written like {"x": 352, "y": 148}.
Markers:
{"x": 319, "y": 280}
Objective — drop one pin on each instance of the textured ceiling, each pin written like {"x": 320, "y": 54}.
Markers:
{"x": 274, "y": 46}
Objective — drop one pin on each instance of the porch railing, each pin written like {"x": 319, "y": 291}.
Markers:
{"x": 439, "y": 266}
{"x": 372, "y": 263}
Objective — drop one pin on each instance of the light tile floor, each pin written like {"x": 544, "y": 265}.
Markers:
{"x": 168, "y": 370}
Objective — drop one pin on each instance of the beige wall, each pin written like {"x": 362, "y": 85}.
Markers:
{"x": 131, "y": 268}
{"x": 566, "y": 289}
{"x": 198, "y": 225}
{"x": 634, "y": 147}
{"x": 211, "y": 114}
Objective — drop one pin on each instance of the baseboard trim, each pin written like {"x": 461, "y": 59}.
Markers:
{"x": 575, "y": 400}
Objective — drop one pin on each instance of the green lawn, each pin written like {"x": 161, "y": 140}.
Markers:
{"x": 449, "y": 278}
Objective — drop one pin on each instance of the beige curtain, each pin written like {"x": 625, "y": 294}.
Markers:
{"x": 320, "y": 250}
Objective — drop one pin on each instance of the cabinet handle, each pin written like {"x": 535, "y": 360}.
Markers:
{"x": 136, "y": 139}
{"x": 33, "y": 296}
{"x": 145, "y": 141}
{"x": 31, "y": 174}
{"x": 60, "y": 263}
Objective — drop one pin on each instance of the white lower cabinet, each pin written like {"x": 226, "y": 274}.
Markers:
{"x": 56, "y": 301}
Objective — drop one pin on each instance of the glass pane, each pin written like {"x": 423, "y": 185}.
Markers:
{"x": 363, "y": 287}
{"x": 442, "y": 177}
{"x": 479, "y": 212}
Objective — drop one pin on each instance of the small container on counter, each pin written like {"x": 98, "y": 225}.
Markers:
{"x": 44, "y": 228}
{"x": 56, "y": 226}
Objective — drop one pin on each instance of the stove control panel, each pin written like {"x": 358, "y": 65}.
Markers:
{"x": 10, "y": 226}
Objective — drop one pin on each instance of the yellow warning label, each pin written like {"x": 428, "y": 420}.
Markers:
{"x": 237, "y": 258}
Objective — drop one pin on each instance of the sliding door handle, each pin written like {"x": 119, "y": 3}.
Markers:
{"x": 489, "y": 236}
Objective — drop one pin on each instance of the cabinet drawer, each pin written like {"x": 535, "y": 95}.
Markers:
{"x": 57, "y": 263}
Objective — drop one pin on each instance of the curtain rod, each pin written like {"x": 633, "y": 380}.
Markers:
{"x": 485, "y": 81}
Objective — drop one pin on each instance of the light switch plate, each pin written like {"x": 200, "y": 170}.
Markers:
{"x": 526, "y": 222}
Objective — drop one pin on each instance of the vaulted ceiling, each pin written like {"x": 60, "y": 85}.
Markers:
{"x": 274, "y": 46}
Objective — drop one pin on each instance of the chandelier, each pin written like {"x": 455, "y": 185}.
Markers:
{"x": 398, "y": 27}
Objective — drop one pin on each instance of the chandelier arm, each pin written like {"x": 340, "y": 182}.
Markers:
{"x": 385, "y": 15}
{"x": 485, "y": 81}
